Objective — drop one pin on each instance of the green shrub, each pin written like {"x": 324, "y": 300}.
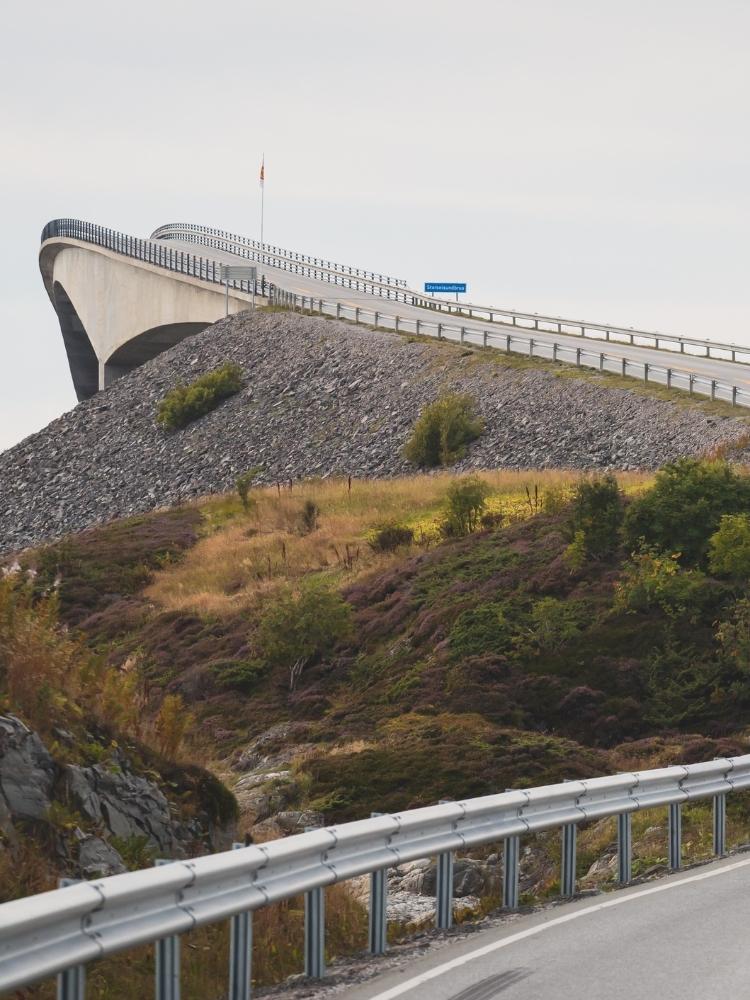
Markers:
{"x": 729, "y": 547}
{"x": 465, "y": 504}
{"x": 553, "y": 623}
{"x": 186, "y": 403}
{"x": 389, "y": 536}
{"x": 239, "y": 675}
{"x": 443, "y": 431}
{"x": 654, "y": 580}
{"x": 733, "y": 636}
{"x": 683, "y": 509}
{"x": 597, "y": 512}
{"x": 301, "y": 625}
{"x": 485, "y": 629}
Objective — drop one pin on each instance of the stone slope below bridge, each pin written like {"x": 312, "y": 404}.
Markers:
{"x": 321, "y": 398}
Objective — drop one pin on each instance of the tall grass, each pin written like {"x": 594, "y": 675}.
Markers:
{"x": 246, "y": 555}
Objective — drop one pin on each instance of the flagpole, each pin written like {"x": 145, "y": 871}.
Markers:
{"x": 262, "y": 202}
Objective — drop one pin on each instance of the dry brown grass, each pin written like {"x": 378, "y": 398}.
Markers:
{"x": 245, "y": 556}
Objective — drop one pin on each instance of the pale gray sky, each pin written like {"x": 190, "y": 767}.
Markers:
{"x": 586, "y": 157}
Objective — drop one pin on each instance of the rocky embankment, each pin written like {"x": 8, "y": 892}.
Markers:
{"x": 87, "y": 815}
{"x": 320, "y": 398}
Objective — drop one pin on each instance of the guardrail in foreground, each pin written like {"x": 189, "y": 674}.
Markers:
{"x": 522, "y": 343}
{"x": 396, "y": 289}
{"x": 177, "y": 261}
{"x": 58, "y": 932}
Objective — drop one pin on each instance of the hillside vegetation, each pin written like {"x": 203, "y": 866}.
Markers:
{"x": 332, "y": 647}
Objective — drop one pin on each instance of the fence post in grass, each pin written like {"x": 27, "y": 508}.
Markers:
{"x": 240, "y": 952}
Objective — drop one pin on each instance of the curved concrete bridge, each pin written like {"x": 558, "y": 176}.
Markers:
{"x": 123, "y": 301}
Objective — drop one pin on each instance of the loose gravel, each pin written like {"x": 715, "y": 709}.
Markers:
{"x": 321, "y": 398}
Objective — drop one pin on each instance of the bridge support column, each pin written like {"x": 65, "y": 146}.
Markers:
{"x": 720, "y": 824}
{"x": 315, "y": 920}
{"x": 624, "y": 848}
{"x": 675, "y": 836}
{"x": 568, "y": 861}
{"x": 444, "y": 891}
{"x": 109, "y": 373}
{"x": 511, "y": 853}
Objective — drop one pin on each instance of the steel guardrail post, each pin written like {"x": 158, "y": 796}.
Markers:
{"x": 720, "y": 824}
{"x": 378, "y": 923}
{"x": 624, "y": 848}
{"x": 240, "y": 952}
{"x": 167, "y": 961}
{"x": 444, "y": 891}
{"x": 675, "y": 836}
{"x": 315, "y": 962}
{"x": 511, "y": 853}
{"x": 568, "y": 861}
{"x": 71, "y": 983}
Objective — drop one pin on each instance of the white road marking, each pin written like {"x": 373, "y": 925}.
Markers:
{"x": 455, "y": 963}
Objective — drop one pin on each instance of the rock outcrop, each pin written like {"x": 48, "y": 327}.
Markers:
{"x": 88, "y": 812}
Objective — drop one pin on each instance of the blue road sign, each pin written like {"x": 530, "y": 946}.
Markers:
{"x": 444, "y": 286}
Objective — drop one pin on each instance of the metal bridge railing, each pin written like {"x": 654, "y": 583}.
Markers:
{"x": 187, "y": 229}
{"x": 177, "y": 261}
{"x": 521, "y": 342}
{"x": 58, "y": 932}
{"x": 287, "y": 260}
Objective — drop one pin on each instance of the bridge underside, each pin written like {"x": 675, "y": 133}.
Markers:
{"x": 116, "y": 313}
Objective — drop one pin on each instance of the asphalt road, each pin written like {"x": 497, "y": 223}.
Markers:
{"x": 715, "y": 368}
{"x": 681, "y": 938}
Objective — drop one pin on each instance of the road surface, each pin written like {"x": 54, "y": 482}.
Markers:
{"x": 681, "y": 938}
{"x": 712, "y": 368}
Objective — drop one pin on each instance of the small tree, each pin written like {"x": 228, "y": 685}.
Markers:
{"x": 729, "y": 547}
{"x": 443, "y": 431}
{"x": 597, "y": 512}
{"x": 465, "y": 502}
{"x": 301, "y": 625}
{"x": 685, "y": 505}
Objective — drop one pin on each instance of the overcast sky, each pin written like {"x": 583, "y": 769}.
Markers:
{"x": 588, "y": 157}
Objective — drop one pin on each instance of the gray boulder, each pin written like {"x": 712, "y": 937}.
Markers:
{"x": 97, "y": 858}
{"x": 124, "y": 804}
{"x": 27, "y": 772}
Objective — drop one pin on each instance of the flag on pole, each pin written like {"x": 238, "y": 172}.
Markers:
{"x": 262, "y": 171}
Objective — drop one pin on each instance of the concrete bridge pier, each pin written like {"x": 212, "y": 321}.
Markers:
{"x": 116, "y": 312}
